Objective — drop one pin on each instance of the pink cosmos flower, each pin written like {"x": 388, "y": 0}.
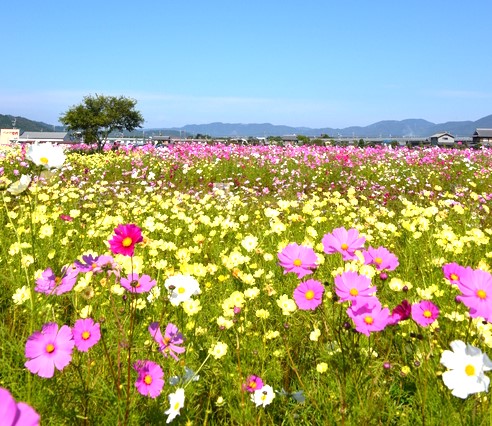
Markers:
{"x": 298, "y": 259}
{"x": 16, "y": 413}
{"x": 344, "y": 242}
{"x": 48, "y": 349}
{"x": 150, "y": 378}
{"x": 125, "y": 238}
{"x": 308, "y": 295}
{"x": 102, "y": 263}
{"x": 86, "y": 333}
{"x": 253, "y": 383}
{"x": 424, "y": 313}
{"x": 368, "y": 315}
{"x": 168, "y": 344}
{"x": 137, "y": 284}
{"x": 401, "y": 312}
{"x": 453, "y": 272}
{"x": 49, "y": 283}
{"x": 352, "y": 286}
{"x": 476, "y": 292}
{"x": 381, "y": 258}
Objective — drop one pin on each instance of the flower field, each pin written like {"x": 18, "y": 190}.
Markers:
{"x": 240, "y": 285}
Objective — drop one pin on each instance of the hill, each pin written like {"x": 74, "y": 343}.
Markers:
{"x": 26, "y": 125}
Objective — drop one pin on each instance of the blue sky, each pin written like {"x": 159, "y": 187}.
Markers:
{"x": 315, "y": 63}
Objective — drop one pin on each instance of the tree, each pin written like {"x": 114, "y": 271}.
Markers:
{"x": 98, "y": 116}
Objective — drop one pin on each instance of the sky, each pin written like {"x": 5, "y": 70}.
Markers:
{"x": 313, "y": 63}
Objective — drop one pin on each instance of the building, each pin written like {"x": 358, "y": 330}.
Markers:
{"x": 442, "y": 139}
{"x": 8, "y": 136}
{"x": 290, "y": 139}
{"x": 54, "y": 137}
{"x": 482, "y": 137}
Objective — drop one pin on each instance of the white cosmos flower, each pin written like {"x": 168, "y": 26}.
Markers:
{"x": 176, "y": 402}
{"x": 20, "y": 186}
{"x": 181, "y": 288}
{"x": 263, "y": 396}
{"x": 46, "y": 155}
{"x": 466, "y": 365}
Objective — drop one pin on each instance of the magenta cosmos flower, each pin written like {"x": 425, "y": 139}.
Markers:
{"x": 125, "y": 238}
{"x": 368, "y": 316}
{"x": 476, "y": 292}
{"x": 49, "y": 283}
{"x": 453, "y": 272}
{"x": 14, "y": 413}
{"x": 253, "y": 383}
{"x": 48, "y": 349}
{"x": 168, "y": 344}
{"x": 86, "y": 333}
{"x": 401, "y": 312}
{"x": 344, "y": 242}
{"x": 381, "y": 258}
{"x": 424, "y": 313}
{"x": 352, "y": 286}
{"x": 150, "y": 378}
{"x": 102, "y": 263}
{"x": 137, "y": 284}
{"x": 309, "y": 294}
{"x": 298, "y": 259}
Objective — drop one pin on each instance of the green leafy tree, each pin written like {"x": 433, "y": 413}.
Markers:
{"x": 98, "y": 116}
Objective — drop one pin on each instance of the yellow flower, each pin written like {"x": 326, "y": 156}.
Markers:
{"x": 218, "y": 350}
{"x": 322, "y": 367}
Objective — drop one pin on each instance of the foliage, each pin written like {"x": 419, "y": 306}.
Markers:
{"x": 98, "y": 116}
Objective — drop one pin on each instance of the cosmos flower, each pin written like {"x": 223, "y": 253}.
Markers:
{"x": 381, "y": 258}
{"x": 20, "y": 185}
{"x": 475, "y": 286}
{"x": 300, "y": 260}
{"x": 168, "y": 344}
{"x": 424, "y": 313}
{"x": 150, "y": 378}
{"x": 368, "y": 315}
{"x": 308, "y": 295}
{"x": 135, "y": 283}
{"x": 263, "y": 396}
{"x": 466, "y": 365}
{"x": 176, "y": 402}
{"x": 14, "y": 413}
{"x": 97, "y": 264}
{"x": 401, "y": 312}
{"x": 253, "y": 383}
{"x": 48, "y": 349}
{"x": 49, "y": 283}
{"x": 352, "y": 286}
{"x": 453, "y": 272}
{"x": 47, "y": 155}
{"x": 86, "y": 333}
{"x": 125, "y": 238}
{"x": 345, "y": 242}
{"x": 181, "y": 288}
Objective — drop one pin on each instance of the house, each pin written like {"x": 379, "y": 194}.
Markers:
{"x": 54, "y": 137}
{"x": 161, "y": 140}
{"x": 290, "y": 139}
{"x": 482, "y": 137}
{"x": 442, "y": 139}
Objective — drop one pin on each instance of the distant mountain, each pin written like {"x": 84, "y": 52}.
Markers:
{"x": 25, "y": 125}
{"x": 384, "y": 129}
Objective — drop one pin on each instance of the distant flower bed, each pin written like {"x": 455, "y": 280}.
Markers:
{"x": 246, "y": 285}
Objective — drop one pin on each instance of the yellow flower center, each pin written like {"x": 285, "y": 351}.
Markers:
{"x": 297, "y": 262}
{"x": 378, "y": 260}
{"x": 481, "y": 294}
{"x": 252, "y": 384}
{"x": 181, "y": 290}
{"x": 86, "y": 335}
{"x": 309, "y": 294}
{"x": 176, "y": 406}
{"x": 57, "y": 280}
{"x": 427, "y": 313}
{"x": 354, "y": 292}
{"x": 454, "y": 277}
{"x": 167, "y": 339}
{"x": 368, "y": 320}
{"x": 148, "y": 379}
{"x": 470, "y": 370}
{"x": 50, "y": 348}
{"x": 344, "y": 246}
{"x": 127, "y": 242}
{"x": 44, "y": 160}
